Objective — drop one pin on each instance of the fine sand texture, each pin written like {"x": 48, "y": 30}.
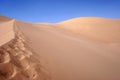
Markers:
{"x": 76, "y": 49}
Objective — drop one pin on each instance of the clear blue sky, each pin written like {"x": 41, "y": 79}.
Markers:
{"x": 53, "y": 11}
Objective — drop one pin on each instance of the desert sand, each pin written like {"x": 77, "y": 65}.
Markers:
{"x": 76, "y": 49}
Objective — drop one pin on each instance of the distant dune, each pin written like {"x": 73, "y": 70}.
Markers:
{"x": 77, "y": 49}
{"x": 106, "y": 30}
{"x": 3, "y": 18}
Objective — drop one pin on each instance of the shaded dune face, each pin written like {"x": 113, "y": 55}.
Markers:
{"x": 4, "y": 19}
{"x": 100, "y": 29}
{"x": 17, "y": 59}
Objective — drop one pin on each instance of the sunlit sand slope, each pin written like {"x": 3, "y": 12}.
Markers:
{"x": 6, "y": 32}
{"x": 71, "y": 57}
{"x": 101, "y": 29}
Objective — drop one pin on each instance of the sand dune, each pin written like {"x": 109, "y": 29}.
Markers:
{"x": 6, "y": 32}
{"x": 106, "y": 30}
{"x": 77, "y": 49}
{"x": 4, "y": 19}
{"x": 17, "y": 61}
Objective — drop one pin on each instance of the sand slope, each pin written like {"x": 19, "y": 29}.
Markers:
{"x": 17, "y": 60}
{"x": 106, "y": 30}
{"x": 6, "y": 32}
{"x": 70, "y": 56}
{"x": 4, "y": 19}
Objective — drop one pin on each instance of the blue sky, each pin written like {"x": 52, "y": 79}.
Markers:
{"x": 53, "y": 11}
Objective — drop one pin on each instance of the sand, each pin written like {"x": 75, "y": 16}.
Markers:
{"x": 105, "y": 30}
{"x": 6, "y": 32}
{"x": 77, "y": 49}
